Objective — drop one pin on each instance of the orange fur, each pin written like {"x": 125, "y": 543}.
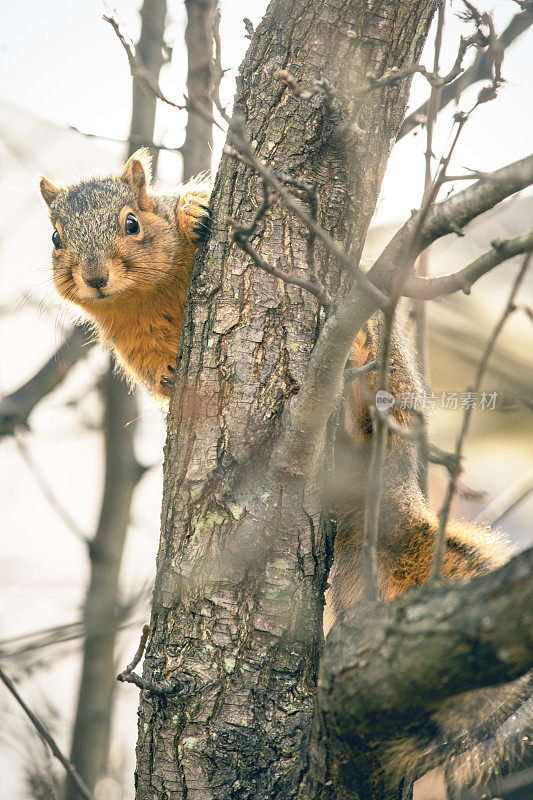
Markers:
{"x": 407, "y": 525}
{"x": 139, "y": 309}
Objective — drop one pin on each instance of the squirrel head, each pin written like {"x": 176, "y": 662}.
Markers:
{"x": 108, "y": 241}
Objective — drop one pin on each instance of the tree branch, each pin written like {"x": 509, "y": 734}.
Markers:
{"x": 457, "y": 211}
{"x": 48, "y": 492}
{"x": 444, "y": 513}
{"x": 133, "y": 139}
{"x": 150, "y": 83}
{"x": 322, "y": 383}
{"x": 198, "y": 145}
{"x": 452, "y": 215}
{"x": 502, "y": 250}
{"x": 480, "y": 70}
{"x": 446, "y": 639}
{"x": 238, "y": 136}
{"x": 15, "y": 408}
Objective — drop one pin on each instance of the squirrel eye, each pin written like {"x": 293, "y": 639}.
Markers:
{"x": 56, "y": 240}
{"x": 132, "y": 225}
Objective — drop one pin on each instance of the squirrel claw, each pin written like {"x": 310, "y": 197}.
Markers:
{"x": 202, "y": 227}
{"x": 166, "y": 381}
{"x": 193, "y": 214}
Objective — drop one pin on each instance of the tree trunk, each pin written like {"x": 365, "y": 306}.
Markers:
{"x": 150, "y": 51}
{"x": 245, "y": 549}
{"x": 90, "y": 740}
{"x": 198, "y": 145}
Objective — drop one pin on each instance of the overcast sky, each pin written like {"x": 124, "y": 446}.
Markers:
{"x": 59, "y": 60}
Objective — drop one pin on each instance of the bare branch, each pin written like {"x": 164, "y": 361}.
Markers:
{"x": 380, "y": 419}
{"x": 184, "y": 685}
{"x": 418, "y": 308}
{"x": 457, "y": 211}
{"x": 47, "y": 737}
{"x": 317, "y": 291}
{"x": 248, "y": 27}
{"x": 218, "y": 72}
{"x": 151, "y": 84}
{"x": 242, "y": 234}
{"x": 137, "y": 141}
{"x": 15, "y": 408}
{"x": 480, "y": 70}
{"x": 138, "y": 654}
{"x": 452, "y": 215}
{"x": 444, "y": 513}
{"x": 463, "y": 280}
{"x": 46, "y": 490}
{"x": 369, "y": 699}
{"x": 198, "y": 145}
{"x": 351, "y": 373}
{"x": 508, "y": 500}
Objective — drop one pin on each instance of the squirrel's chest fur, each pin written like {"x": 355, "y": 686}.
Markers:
{"x": 144, "y": 330}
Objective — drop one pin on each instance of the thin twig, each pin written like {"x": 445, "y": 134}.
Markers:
{"x": 507, "y": 500}
{"x": 138, "y": 653}
{"x": 15, "y": 408}
{"x": 239, "y": 139}
{"x": 351, "y": 373}
{"x": 419, "y": 308}
{"x": 186, "y": 684}
{"x": 149, "y": 82}
{"x": 323, "y": 381}
{"x": 41, "y": 481}
{"x": 218, "y": 72}
{"x": 141, "y": 141}
{"x": 319, "y": 292}
{"x": 480, "y": 69}
{"x": 242, "y": 235}
{"x": 380, "y": 419}
{"x": 82, "y": 789}
{"x": 444, "y": 513}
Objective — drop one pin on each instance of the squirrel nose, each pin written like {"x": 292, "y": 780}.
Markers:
{"x": 96, "y": 283}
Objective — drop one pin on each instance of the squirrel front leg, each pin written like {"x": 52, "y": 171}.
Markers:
{"x": 193, "y": 223}
{"x": 192, "y": 212}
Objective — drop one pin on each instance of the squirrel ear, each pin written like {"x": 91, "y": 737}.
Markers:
{"x": 48, "y": 190}
{"x": 137, "y": 173}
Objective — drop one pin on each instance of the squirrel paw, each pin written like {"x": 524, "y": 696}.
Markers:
{"x": 202, "y": 226}
{"x": 194, "y": 217}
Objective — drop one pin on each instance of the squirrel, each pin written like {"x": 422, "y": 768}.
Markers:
{"x": 124, "y": 254}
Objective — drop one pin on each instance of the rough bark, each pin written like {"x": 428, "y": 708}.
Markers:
{"x": 244, "y": 549}
{"x": 198, "y": 145}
